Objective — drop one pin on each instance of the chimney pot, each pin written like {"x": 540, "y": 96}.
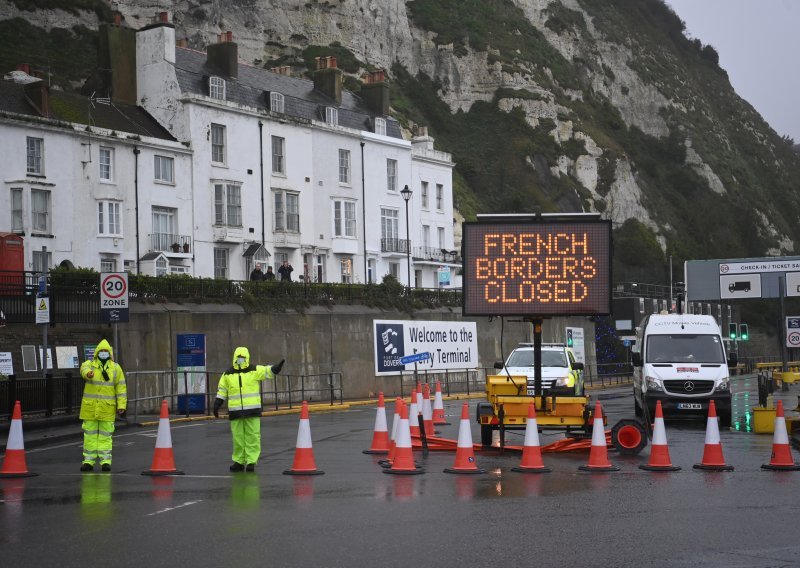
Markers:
{"x": 332, "y": 62}
{"x": 163, "y": 17}
{"x": 228, "y": 36}
{"x": 26, "y": 68}
{"x": 117, "y": 19}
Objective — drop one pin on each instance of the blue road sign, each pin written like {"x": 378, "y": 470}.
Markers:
{"x": 424, "y": 356}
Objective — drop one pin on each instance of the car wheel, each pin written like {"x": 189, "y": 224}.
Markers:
{"x": 637, "y": 408}
{"x": 725, "y": 420}
{"x": 486, "y": 435}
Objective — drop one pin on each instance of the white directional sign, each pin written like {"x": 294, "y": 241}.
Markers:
{"x": 759, "y": 265}
{"x": 735, "y": 286}
{"x": 793, "y": 332}
{"x": 114, "y": 296}
{"x": 793, "y": 283}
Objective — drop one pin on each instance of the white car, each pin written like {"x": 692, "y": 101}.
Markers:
{"x": 561, "y": 373}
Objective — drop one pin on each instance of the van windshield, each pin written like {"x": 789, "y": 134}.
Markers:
{"x": 685, "y": 349}
{"x": 525, "y": 359}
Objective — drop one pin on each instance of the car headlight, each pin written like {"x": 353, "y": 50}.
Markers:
{"x": 653, "y": 384}
{"x": 724, "y": 385}
{"x": 562, "y": 382}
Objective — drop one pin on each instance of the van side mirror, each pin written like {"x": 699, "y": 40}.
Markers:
{"x": 577, "y": 366}
{"x": 498, "y": 365}
{"x": 637, "y": 359}
{"x": 733, "y": 359}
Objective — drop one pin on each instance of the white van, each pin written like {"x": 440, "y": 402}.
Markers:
{"x": 680, "y": 360}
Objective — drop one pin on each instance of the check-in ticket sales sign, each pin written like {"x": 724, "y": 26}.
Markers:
{"x": 537, "y": 268}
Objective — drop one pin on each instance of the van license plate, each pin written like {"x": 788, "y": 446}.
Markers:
{"x": 689, "y": 406}
{"x": 531, "y": 392}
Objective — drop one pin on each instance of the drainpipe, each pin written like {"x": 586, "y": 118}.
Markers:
{"x": 136, "y": 153}
{"x": 261, "y": 168}
{"x": 364, "y": 212}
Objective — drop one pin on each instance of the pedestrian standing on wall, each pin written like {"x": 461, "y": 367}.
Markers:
{"x": 105, "y": 397}
{"x": 256, "y": 275}
{"x": 269, "y": 275}
{"x": 285, "y": 271}
{"x": 241, "y": 387}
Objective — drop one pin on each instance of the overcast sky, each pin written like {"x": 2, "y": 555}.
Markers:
{"x": 758, "y": 42}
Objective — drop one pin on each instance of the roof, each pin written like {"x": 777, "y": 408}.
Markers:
{"x": 250, "y": 89}
{"x": 253, "y": 249}
{"x": 78, "y": 109}
{"x": 151, "y": 256}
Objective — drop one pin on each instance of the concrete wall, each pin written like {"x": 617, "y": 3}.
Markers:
{"x": 319, "y": 341}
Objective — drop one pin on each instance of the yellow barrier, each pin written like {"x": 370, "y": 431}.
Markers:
{"x": 788, "y": 377}
{"x": 778, "y": 365}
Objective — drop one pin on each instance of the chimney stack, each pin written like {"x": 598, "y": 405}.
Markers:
{"x": 223, "y": 56}
{"x": 38, "y": 94}
{"x": 116, "y": 61}
{"x": 328, "y": 78}
{"x": 375, "y": 91}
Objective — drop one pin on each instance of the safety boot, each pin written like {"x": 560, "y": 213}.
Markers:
{"x": 105, "y": 467}
{"x": 251, "y": 467}
{"x": 235, "y": 466}
{"x": 85, "y": 466}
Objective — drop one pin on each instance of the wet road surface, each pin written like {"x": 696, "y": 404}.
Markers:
{"x": 355, "y": 515}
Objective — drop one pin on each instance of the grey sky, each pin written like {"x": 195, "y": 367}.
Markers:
{"x": 758, "y": 42}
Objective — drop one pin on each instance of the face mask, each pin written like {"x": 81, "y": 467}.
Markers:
{"x": 240, "y": 361}
{"x": 103, "y": 355}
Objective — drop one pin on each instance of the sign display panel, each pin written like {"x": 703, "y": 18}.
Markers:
{"x": 537, "y": 268}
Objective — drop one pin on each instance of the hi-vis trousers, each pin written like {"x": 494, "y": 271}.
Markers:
{"x": 97, "y": 441}
{"x": 246, "y": 439}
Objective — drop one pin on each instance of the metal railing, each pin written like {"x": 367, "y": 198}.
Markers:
{"x": 163, "y": 242}
{"x": 394, "y": 245}
{"x": 435, "y": 253}
{"x": 466, "y": 381}
{"x": 47, "y": 396}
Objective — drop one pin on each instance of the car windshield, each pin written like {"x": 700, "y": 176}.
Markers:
{"x": 685, "y": 349}
{"x": 524, "y": 358}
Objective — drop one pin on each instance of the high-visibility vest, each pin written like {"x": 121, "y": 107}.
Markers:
{"x": 241, "y": 386}
{"x": 105, "y": 392}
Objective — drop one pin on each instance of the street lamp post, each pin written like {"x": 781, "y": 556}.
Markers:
{"x": 406, "y": 193}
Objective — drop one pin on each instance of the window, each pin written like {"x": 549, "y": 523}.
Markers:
{"x": 164, "y": 223}
{"x": 371, "y": 270}
{"x": 108, "y": 219}
{"x": 344, "y": 218}
{"x": 276, "y": 102}
{"x": 424, "y": 194}
{"x": 40, "y": 211}
{"x": 380, "y": 126}
{"x": 218, "y": 143}
{"x": 108, "y": 264}
{"x": 331, "y": 116}
{"x": 278, "y": 149}
{"x": 391, "y": 175}
{"x": 426, "y": 236}
{"x": 216, "y": 88}
{"x": 221, "y": 263}
{"x": 344, "y": 166}
{"x": 389, "y": 223}
{"x": 394, "y": 270}
{"x": 164, "y": 169}
{"x": 161, "y": 266}
{"x": 346, "y": 265}
{"x": 439, "y": 197}
{"x": 106, "y": 156}
{"x": 40, "y": 261}
{"x": 35, "y": 156}
{"x": 228, "y": 204}
{"x": 287, "y": 212}
{"x": 440, "y": 234}
{"x": 16, "y": 210}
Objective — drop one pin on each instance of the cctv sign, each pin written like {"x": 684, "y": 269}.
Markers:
{"x": 537, "y": 268}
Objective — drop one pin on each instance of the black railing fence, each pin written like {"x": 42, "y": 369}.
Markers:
{"x": 49, "y": 395}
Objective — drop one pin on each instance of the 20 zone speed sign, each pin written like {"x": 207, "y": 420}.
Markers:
{"x": 114, "y": 290}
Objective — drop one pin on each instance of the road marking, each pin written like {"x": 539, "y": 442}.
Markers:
{"x": 148, "y": 434}
{"x": 168, "y": 509}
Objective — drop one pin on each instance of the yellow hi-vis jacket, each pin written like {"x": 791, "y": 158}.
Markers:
{"x": 240, "y": 386}
{"x": 105, "y": 392}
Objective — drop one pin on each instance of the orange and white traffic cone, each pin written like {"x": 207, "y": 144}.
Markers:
{"x": 413, "y": 413}
{"x": 531, "y": 452}
{"x": 393, "y": 438}
{"x": 712, "y": 451}
{"x": 438, "y": 407}
{"x": 659, "y": 450}
{"x": 598, "y": 455}
{"x": 403, "y": 463}
{"x": 781, "y": 452}
{"x": 14, "y": 462}
{"x": 465, "y": 453}
{"x": 163, "y": 459}
{"x": 427, "y": 411}
{"x": 304, "y": 463}
{"x": 419, "y": 398}
{"x": 380, "y": 437}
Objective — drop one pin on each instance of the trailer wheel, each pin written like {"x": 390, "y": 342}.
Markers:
{"x": 629, "y": 437}
{"x": 486, "y": 435}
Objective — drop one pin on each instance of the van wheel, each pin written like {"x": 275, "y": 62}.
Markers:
{"x": 486, "y": 435}
{"x": 725, "y": 420}
{"x": 637, "y": 408}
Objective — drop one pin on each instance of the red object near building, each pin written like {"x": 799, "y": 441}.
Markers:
{"x": 12, "y": 264}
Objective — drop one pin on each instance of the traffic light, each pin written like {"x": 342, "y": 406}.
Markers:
{"x": 569, "y": 338}
{"x": 744, "y": 335}
{"x": 732, "y": 331}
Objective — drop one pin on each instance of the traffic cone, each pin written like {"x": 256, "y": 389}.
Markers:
{"x": 427, "y": 411}
{"x": 712, "y": 452}
{"x": 393, "y": 438}
{"x": 465, "y": 453}
{"x": 413, "y": 413}
{"x": 14, "y": 461}
{"x": 531, "y": 452}
{"x": 419, "y": 398}
{"x": 659, "y": 451}
{"x": 380, "y": 437}
{"x": 438, "y": 407}
{"x": 163, "y": 459}
{"x": 781, "y": 451}
{"x": 598, "y": 456}
{"x": 304, "y": 463}
{"x": 403, "y": 463}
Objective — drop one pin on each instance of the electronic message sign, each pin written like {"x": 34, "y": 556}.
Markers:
{"x": 537, "y": 268}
